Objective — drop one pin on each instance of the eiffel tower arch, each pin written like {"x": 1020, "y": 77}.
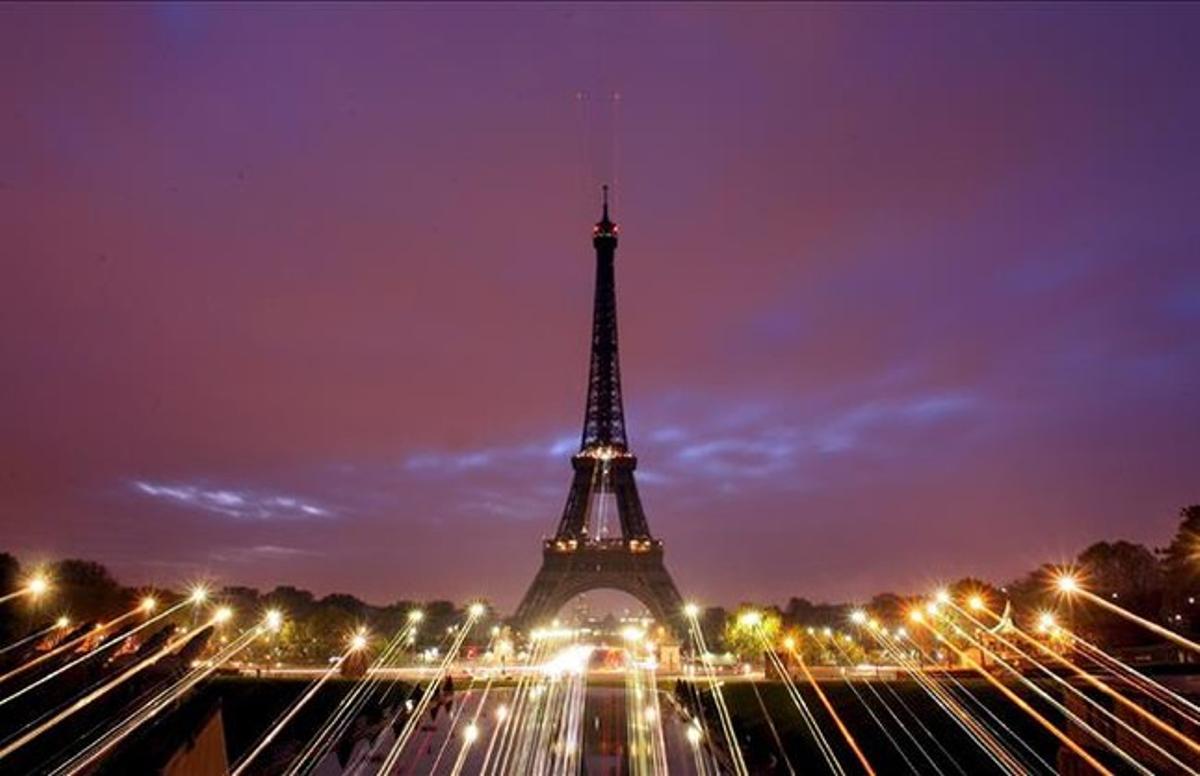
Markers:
{"x": 583, "y": 554}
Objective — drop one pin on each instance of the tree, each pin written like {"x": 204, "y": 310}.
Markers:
{"x": 1181, "y": 571}
{"x": 889, "y": 607}
{"x": 87, "y": 589}
{"x": 802, "y": 612}
{"x": 1129, "y": 574}
{"x": 746, "y": 630}
{"x": 10, "y": 579}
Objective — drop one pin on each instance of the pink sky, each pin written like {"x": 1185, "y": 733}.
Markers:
{"x": 302, "y": 294}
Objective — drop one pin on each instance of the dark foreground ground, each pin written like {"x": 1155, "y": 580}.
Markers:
{"x": 898, "y": 726}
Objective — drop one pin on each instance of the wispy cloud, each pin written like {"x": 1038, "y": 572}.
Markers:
{"x": 260, "y": 552}
{"x": 241, "y": 504}
{"x": 700, "y": 444}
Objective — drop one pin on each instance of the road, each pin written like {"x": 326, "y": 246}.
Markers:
{"x": 543, "y": 741}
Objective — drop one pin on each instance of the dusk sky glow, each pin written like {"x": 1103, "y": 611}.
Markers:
{"x": 301, "y": 295}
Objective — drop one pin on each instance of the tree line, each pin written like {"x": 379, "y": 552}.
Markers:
{"x": 1162, "y": 584}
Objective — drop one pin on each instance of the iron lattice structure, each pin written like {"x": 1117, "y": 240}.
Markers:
{"x": 579, "y": 558}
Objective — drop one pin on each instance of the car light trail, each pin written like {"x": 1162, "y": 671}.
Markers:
{"x": 103, "y": 647}
{"x": 35, "y": 587}
{"x": 691, "y": 612}
{"x": 984, "y": 735}
{"x": 753, "y": 621}
{"x": 1103, "y": 687}
{"x": 874, "y": 717}
{"x": 1106, "y": 741}
{"x": 97, "y": 748}
{"x": 100, "y": 691}
{"x": 1068, "y": 586}
{"x": 347, "y": 709}
{"x": 1018, "y": 700}
{"x": 357, "y": 644}
{"x": 59, "y": 625}
{"x": 389, "y": 762}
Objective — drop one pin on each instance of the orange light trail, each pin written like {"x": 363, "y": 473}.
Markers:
{"x": 1153, "y": 627}
{"x": 837, "y": 720}
{"x": 1105, "y": 688}
{"x": 1020, "y": 702}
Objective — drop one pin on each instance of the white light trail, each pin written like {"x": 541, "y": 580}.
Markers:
{"x": 34, "y": 636}
{"x": 691, "y": 612}
{"x": 100, "y": 691}
{"x": 410, "y": 725}
{"x": 273, "y": 732}
{"x": 104, "y": 647}
{"x": 97, "y": 748}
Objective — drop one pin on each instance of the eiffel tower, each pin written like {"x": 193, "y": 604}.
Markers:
{"x": 583, "y": 555}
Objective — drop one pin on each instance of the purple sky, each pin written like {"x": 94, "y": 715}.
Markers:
{"x": 302, "y": 295}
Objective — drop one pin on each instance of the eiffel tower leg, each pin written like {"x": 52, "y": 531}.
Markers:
{"x": 634, "y": 569}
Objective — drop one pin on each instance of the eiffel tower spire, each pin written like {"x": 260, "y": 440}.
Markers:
{"x": 604, "y": 419}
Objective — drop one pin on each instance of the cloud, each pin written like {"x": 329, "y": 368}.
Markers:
{"x": 248, "y": 505}
{"x": 260, "y": 552}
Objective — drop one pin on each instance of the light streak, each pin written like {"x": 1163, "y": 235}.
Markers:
{"x": 507, "y": 721}
{"x": 163, "y": 700}
{"x": 1164, "y": 695}
{"x": 984, "y": 736}
{"x": 1022, "y": 704}
{"x": 723, "y": 716}
{"x": 59, "y": 625}
{"x": 107, "y": 645}
{"x": 806, "y": 715}
{"x": 1153, "y": 627}
{"x": 99, "y": 691}
{"x": 410, "y": 725}
{"x": 878, "y": 722}
{"x": 350, "y": 704}
{"x": 787, "y": 761}
{"x": 837, "y": 720}
{"x": 1105, "y": 740}
{"x": 280, "y": 723}
{"x": 1102, "y": 686}
{"x": 459, "y": 708}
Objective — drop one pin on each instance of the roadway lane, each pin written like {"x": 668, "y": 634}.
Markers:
{"x": 606, "y": 724}
{"x": 437, "y": 743}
